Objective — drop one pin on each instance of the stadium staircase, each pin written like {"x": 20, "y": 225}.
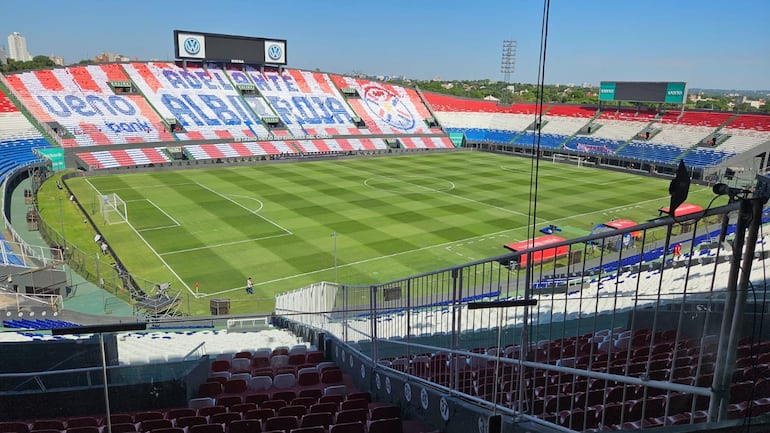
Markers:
{"x": 691, "y": 155}
{"x": 628, "y": 142}
{"x": 428, "y": 107}
{"x": 574, "y": 135}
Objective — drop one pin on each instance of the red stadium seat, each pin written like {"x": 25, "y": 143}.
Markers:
{"x": 281, "y": 423}
{"x": 259, "y": 414}
{"x": 188, "y": 421}
{"x": 245, "y": 426}
{"x": 323, "y": 419}
{"x": 348, "y": 427}
{"x": 206, "y": 428}
{"x": 48, "y": 424}
{"x": 351, "y": 415}
{"x": 389, "y": 425}
{"x": 14, "y": 427}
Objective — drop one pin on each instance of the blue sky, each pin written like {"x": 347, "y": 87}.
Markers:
{"x": 708, "y": 44}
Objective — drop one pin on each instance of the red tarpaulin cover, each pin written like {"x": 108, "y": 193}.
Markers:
{"x": 620, "y": 224}
{"x": 623, "y": 223}
{"x": 683, "y": 209}
{"x": 539, "y": 256}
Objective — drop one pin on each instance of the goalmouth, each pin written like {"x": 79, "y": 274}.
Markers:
{"x": 113, "y": 209}
{"x": 569, "y": 159}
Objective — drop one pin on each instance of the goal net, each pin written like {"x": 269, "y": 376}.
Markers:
{"x": 570, "y": 159}
{"x": 113, "y": 209}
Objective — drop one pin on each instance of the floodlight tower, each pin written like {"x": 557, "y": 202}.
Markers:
{"x": 508, "y": 62}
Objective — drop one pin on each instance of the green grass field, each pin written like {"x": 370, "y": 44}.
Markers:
{"x": 393, "y": 217}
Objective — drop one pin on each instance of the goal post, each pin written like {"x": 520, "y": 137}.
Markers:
{"x": 113, "y": 209}
{"x": 570, "y": 159}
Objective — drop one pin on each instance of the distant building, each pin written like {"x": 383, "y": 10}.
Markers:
{"x": 754, "y": 103}
{"x": 111, "y": 57}
{"x": 58, "y": 60}
{"x": 17, "y": 47}
{"x": 3, "y": 55}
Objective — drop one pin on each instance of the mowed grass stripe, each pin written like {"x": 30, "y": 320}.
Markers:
{"x": 149, "y": 216}
{"x": 205, "y": 218}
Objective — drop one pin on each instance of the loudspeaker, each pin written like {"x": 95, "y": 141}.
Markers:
{"x": 320, "y": 342}
{"x": 495, "y": 424}
{"x": 392, "y": 293}
{"x": 219, "y": 306}
{"x": 575, "y": 257}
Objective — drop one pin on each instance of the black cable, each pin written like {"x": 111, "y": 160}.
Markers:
{"x": 535, "y": 163}
{"x": 539, "y": 103}
{"x": 755, "y": 338}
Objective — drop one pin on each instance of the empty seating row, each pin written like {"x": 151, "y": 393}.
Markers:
{"x": 567, "y": 126}
{"x": 488, "y": 121}
{"x": 684, "y": 136}
{"x": 751, "y": 121}
{"x": 308, "y": 377}
{"x": 6, "y": 105}
{"x": 571, "y": 111}
{"x": 124, "y": 158}
{"x": 331, "y": 399}
{"x": 15, "y": 126}
{"x": 219, "y": 422}
{"x": 145, "y": 347}
{"x": 19, "y": 153}
{"x": 653, "y": 411}
{"x": 441, "y": 102}
{"x": 40, "y": 324}
{"x": 628, "y": 113}
{"x": 246, "y": 361}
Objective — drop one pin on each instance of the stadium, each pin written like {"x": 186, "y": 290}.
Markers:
{"x": 222, "y": 243}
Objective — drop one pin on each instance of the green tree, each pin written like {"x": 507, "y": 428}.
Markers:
{"x": 37, "y": 62}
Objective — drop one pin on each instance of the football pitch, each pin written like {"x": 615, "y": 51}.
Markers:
{"x": 357, "y": 221}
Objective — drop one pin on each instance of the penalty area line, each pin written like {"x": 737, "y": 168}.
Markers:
{"x": 139, "y": 235}
{"x": 225, "y": 244}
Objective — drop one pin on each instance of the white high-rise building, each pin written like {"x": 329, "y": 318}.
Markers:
{"x": 17, "y": 47}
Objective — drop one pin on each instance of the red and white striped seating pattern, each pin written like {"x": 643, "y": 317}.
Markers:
{"x": 124, "y": 158}
{"x": 307, "y": 102}
{"x": 6, "y": 105}
{"x": 232, "y": 150}
{"x": 80, "y": 99}
{"x": 427, "y": 142}
{"x": 13, "y": 124}
{"x": 203, "y": 101}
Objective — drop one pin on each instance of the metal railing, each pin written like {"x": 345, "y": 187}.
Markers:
{"x": 623, "y": 331}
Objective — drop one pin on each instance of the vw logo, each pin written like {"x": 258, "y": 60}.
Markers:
{"x": 192, "y": 46}
{"x": 274, "y": 52}
{"x": 424, "y": 398}
{"x": 443, "y": 408}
